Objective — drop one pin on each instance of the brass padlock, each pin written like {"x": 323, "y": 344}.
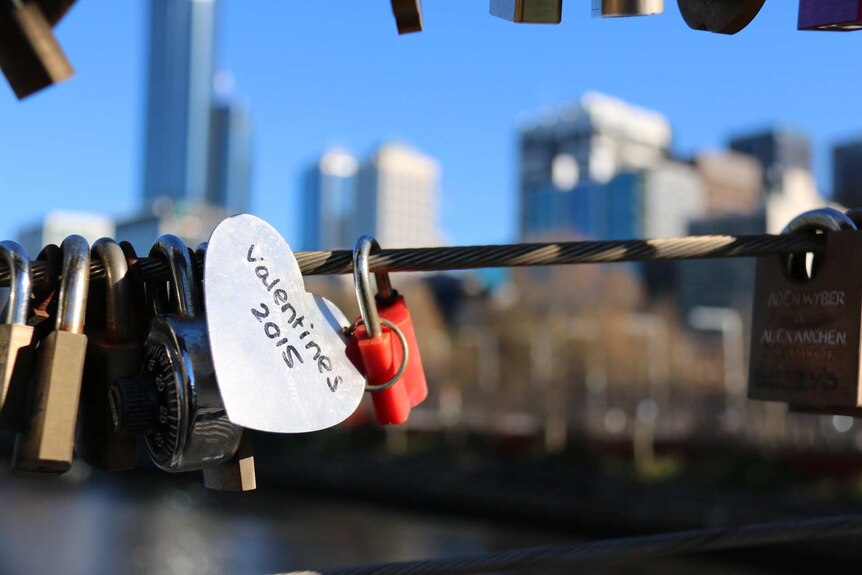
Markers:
{"x": 17, "y": 339}
{"x": 619, "y": 8}
{"x": 805, "y": 338}
{"x": 30, "y": 56}
{"x": 408, "y": 15}
{"x": 112, "y": 353}
{"x": 175, "y": 402}
{"x": 528, "y": 11}
{"x": 47, "y": 443}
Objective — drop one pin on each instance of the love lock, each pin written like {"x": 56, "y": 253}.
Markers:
{"x": 719, "y": 16}
{"x": 279, "y": 352}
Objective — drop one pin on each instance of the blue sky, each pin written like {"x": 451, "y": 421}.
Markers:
{"x": 331, "y": 72}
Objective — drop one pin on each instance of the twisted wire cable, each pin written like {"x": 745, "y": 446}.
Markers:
{"x": 627, "y": 548}
{"x": 509, "y": 255}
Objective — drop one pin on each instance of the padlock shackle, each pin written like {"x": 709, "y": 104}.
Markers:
{"x": 118, "y": 296}
{"x": 186, "y": 297}
{"x": 819, "y": 220}
{"x": 75, "y": 284}
{"x": 362, "y": 284}
{"x": 20, "y": 283}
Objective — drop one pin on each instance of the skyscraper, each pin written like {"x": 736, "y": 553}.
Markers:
{"x": 329, "y": 202}
{"x": 847, "y": 174}
{"x": 398, "y": 198}
{"x": 229, "y": 178}
{"x": 581, "y": 146}
{"x": 778, "y": 151}
{"x": 179, "y": 93}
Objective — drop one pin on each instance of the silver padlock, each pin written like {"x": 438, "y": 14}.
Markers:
{"x": 618, "y": 8}
{"x": 528, "y": 11}
{"x": 174, "y": 402}
{"x": 16, "y": 339}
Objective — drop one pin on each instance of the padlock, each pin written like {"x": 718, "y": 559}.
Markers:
{"x": 528, "y": 11}
{"x": 393, "y": 366}
{"x": 408, "y": 15}
{"x": 46, "y": 445}
{"x": 17, "y": 339}
{"x": 618, "y": 8}
{"x": 112, "y": 353}
{"x": 719, "y": 16}
{"x": 835, "y": 15}
{"x": 174, "y": 402}
{"x": 805, "y": 338}
{"x": 30, "y": 56}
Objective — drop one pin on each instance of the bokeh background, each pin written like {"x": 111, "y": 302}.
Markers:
{"x": 564, "y": 403}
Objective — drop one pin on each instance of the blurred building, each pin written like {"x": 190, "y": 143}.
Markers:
{"x": 229, "y": 178}
{"x": 192, "y": 222}
{"x": 733, "y": 182}
{"x": 179, "y": 92}
{"x": 798, "y": 194}
{"x": 722, "y": 282}
{"x": 578, "y": 146}
{"x": 778, "y": 151}
{"x": 398, "y": 198}
{"x": 329, "y": 202}
{"x": 847, "y": 174}
{"x": 654, "y": 203}
{"x": 56, "y": 225}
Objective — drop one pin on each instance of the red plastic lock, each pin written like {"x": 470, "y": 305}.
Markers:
{"x": 380, "y": 358}
{"x": 414, "y": 375}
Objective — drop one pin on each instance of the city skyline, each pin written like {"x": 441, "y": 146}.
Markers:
{"x": 198, "y": 135}
{"x": 475, "y": 143}
{"x": 392, "y": 195}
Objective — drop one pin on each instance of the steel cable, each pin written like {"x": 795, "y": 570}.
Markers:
{"x": 510, "y": 255}
{"x": 627, "y": 548}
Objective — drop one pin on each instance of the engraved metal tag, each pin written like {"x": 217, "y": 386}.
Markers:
{"x": 278, "y": 351}
{"x": 805, "y": 336}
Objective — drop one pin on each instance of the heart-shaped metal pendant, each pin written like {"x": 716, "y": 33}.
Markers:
{"x": 278, "y": 351}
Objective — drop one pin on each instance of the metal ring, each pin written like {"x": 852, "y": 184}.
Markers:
{"x": 405, "y": 348}
{"x": 72, "y": 301}
{"x": 181, "y": 266}
{"x": 118, "y": 321}
{"x": 20, "y": 282}
{"x": 820, "y": 220}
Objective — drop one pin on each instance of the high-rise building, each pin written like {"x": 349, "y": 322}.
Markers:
{"x": 733, "y": 181}
{"x": 179, "y": 95}
{"x": 398, "y": 198}
{"x": 847, "y": 174}
{"x": 192, "y": 222}
{"x": 577, "y": 147}
{"x": 778, "y": 151}
{"x": 654, "y": 203}
{"x": 329, "y": 202}
{"x": 56, "y": 225}
{"x": 723, "y": 282}
{"x": 229, "y": 178}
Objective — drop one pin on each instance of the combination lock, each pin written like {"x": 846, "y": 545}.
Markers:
{"x": 175, "y": 402}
